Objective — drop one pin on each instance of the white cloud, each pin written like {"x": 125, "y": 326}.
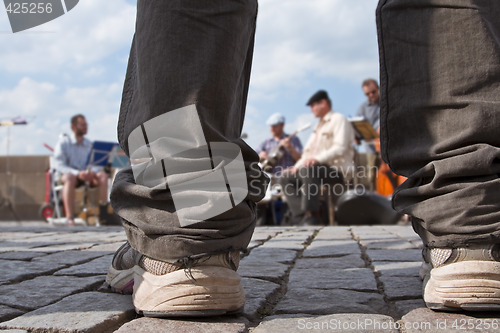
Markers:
{"x": 27, "y": 98}
{"x": 298, "y": 43}
{"x": 297, "y": 39}
{"x": 48, "y": 109}
{"x": 93, "y": 30}
{"x": 73, "y": 64}
{"x": 257, "y": 131}
{"x": 76, "y": 64}
{"x": 300, "y": 122}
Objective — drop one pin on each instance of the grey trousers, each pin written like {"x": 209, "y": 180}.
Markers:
{"x": 303, "y": 189}
{"x": 187, "y": 53}
{"x": 440, "y": 115}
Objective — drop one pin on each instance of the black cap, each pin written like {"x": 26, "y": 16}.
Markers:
{"x": 318, "y": 96}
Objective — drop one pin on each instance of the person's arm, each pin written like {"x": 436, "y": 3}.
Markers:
{"x": 297, "y": 144}
{"x": 290, "y": 145}
{"x": 342, "y": 140}
{"x": 260, "y": 148}
{"x": 60, "y": 157}
{"x": 360, "y": 112}
{"x": 302, "y": 158}
{"x": 261, "y": 151}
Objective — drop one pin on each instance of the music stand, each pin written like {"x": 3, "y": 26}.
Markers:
{"x": 364, "y": 129}
{"x": 106, "y": 154}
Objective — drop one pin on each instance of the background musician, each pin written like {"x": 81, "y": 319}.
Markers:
{"x": 70, "y": 159}
{"x": 292, "y": 147}
{"x": 370, "y": 110}
{"x": 276, "y": 154}
{"x": 327, "y": 160}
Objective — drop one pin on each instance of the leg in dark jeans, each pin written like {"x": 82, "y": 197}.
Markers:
{"x": 197, "y": 55}
{"x": 440, "y": 114}
{"x": 188, "y": 200}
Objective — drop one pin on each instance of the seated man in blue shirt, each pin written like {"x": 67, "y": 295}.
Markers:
{"x": 70, "y": 157}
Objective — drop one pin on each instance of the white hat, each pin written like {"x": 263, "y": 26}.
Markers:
{"x": 275, "y": 119}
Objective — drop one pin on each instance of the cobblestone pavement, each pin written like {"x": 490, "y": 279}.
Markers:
{"x": 314, "y": 279}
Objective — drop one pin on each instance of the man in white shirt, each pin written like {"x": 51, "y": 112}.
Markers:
{"x": 327, "y": 160}
{"x": 70, "y": 157}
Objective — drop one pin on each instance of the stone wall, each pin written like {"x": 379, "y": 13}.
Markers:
{"x": 22, "y": 186}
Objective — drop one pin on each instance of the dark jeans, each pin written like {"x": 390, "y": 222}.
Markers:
{"x": 440, "y": 115}
{"x": 303, "y": 189}
{"x": 198, "y": 54}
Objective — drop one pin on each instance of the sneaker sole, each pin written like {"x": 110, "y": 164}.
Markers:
{"x": 466, "y": 285}
{"x": 120, "y": 281}
{"x": 214, "y": 291}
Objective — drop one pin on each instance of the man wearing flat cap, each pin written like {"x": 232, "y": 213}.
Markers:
{"x": 327, "y": 160}
{"x": 291, "y": 146}
{"x": 277, "y": 154}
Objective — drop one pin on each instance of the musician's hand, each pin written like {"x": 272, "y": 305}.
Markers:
{"x": 263, "y": 156}
{"x": 85, "y": 175}
{"x": 286, "y": 143}
{"x": 291, "y": 170}
{"x": 309, "y": 162}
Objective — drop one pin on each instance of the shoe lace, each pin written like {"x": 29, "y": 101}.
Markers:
{"x": 187, "y": 263}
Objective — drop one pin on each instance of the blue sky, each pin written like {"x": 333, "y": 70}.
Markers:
{"x": 76, "y": 64}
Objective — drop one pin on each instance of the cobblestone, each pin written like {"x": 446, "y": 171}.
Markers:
{"x": 397, "y": 287}
{"x": 320, "y": 279}
{"x": 322, "y": 248}
{"x": 328, "y": 323}
{"x": 387, "y": 244}
{"x": 398, "y": 256}
{"x": 45, "y": 290}
{"x": 423, "y": 320}
{"x": 15, "y": 270}
{"x": 93, "y": 267}
{"x": 7, "y": 313}
{"x": 397, "y": 268}
{"x": 326, "y": 301}
{"x": 360, "y": 279}
{"x": 83, "y": 312}
{"x": 215, "y": 325}
{"x": 345, "y": 261}
{"x": 258, "y": 293}
{"x": 21, "y": 255}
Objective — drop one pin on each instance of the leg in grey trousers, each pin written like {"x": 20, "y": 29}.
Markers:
{"x": 303, "y": 189}
{"x": 440, "y": 115}
{"x": 194, "y": 58}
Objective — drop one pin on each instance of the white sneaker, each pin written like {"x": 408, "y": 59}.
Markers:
{"x": 462, "y": 278}
{"x": 202, "y": 285}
